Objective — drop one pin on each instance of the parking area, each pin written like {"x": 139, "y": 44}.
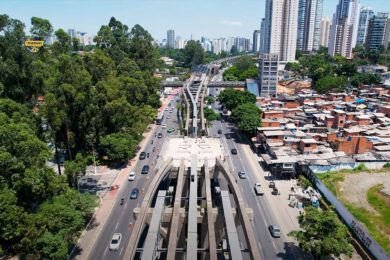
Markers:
{"x": 97, "y": 184}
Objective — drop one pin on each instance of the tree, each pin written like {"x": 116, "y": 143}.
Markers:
{"x": 330, "y": 83}
{"x": 119, "y": 147}
{"x": 244, "y": 63}
{"x": 347, "y": 69}
{"x": 193, "y": 54}
{"x": 75, "y": 43}
{"x": 247, "y": 116}
{"x": 365, "y": 79}
{"x": 141, "y": 49}
{"x": 210, "y": 100}
{"x": 74, "y": 169}
{"x": 249, "y": 73}
{"x": 231, "y": 98}
{"x": 322, "y": 234}
{"x": 210, "y": 115}
{"x": 234, "y": 50}
{"x": 41, "y": 27}
{"x": 63, "y": 42}
{"x": 298, "y": 54}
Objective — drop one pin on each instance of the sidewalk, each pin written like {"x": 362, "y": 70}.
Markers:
{"x": 286, "y": 216}
{"x": 92, "y": 232}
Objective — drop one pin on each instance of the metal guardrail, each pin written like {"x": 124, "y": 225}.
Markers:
{"x": 361, "y": 233}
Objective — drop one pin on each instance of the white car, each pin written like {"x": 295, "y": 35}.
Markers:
{"x": 259, "y": 189}
{"x": 131, "y": 176}
{"x": 116, "y": 241}
{"x": 164, "y": 126}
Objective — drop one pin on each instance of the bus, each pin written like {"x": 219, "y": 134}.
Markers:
{"x": 159, "y": 118}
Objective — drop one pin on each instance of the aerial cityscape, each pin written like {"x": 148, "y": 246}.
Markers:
{"x": 153, "y": 130}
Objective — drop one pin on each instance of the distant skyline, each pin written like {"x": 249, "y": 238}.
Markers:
{"x": 212, "y": 19}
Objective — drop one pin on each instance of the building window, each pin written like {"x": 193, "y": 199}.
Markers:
{"x": 307, "y": 145}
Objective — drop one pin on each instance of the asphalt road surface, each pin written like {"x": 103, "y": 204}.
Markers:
{"x": 270, "y": 247}
{"x": 121, "y": 215}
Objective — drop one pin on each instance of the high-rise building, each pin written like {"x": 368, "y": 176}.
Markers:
{"x": 256, "y": 41}
{"x": 317, "y": 24}
{"x": 171, "y": 39}
{"x": 309, "y": 24}
{"x": 72, "y": 33}
{"x": 262, "y": 35}
{"x": 82, "y": 37}
{"x": 268, "y": 74}
{"x": 343, "y": 32}
{"x": 366, "y": 13}
{"x": 179, "y": 43}
{"x": 280, "y": 28}
{"x": 325, "y": 30}
{"x": 378, "y": 31}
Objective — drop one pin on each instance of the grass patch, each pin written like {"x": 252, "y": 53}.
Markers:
{"x": 330, "y": 179}
{"x": 377, "y": 225}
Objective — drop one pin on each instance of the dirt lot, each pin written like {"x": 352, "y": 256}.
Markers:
{"x": 290, "y": 87}
{"x": 355, "y": 186}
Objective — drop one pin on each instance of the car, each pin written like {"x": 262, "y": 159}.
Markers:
{"x": 275, "y": 191}
{"x": 166, "y": 109}
{"x": 159, "y": 135}
{"x": 219, "y": 131}
{"x": 242, "y": 175}
{"x": 164, "y": 126}
{"x": 131, "y": 176}
{"x": 234, "y": 151}
{"x": 168, "y": 117}
{"x": 142, "y": 156}
{"x": 170, "y": 111}
{"x": 171, "y": 130}
{"x": 228, "y": 136}
{"x": 134, "y": 193}
{"x": 274, "y": 230}
{"x": 258, "y": 189}
{"x": 272, "y": 185}
{"x": 145, "y": 169}
{"x": 116, "y": 241}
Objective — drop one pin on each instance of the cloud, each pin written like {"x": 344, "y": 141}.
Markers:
{"x": 234, "y": 23}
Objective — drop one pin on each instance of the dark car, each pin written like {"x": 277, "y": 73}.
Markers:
{"x": 228, "y": 136}
{"x": 242, "y": 175}
{"x": 145, "y": 169}
{"x": 234, "y": 151}
{"x": 134, "y": 193}
{"x": 219, "y": 131}
{"x": 159, "y": 135}
{"x": 142, "y": 156}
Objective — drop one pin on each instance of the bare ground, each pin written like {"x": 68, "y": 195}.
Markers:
{"x": 356, "y": 185}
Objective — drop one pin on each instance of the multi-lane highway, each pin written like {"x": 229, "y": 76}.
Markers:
{"x": 122, "y": 215}
{"x": 263, "y": 216}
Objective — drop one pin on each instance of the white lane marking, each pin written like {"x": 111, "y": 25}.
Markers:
{"x": 121, "y": 251}
{"x": 105, "y": 251}
{"x": 117, "y": 223}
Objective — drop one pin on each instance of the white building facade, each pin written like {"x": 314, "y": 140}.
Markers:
{"x": 280, "y": 28}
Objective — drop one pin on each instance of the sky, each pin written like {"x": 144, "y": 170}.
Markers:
{"x": 209, "y": 18}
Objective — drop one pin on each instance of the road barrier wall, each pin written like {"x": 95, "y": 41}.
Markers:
{"x": 361, "y": 233}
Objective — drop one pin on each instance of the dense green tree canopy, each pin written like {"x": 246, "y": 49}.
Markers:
{"x": 247, "y": 116}
{"x": 231, "y": 98}
{"x": 322, "y": 234}
{"x": 98, "y": 102}
{"x": 193, "y": 54}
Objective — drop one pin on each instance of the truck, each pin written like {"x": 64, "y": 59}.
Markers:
{"x": 258, "y": 189}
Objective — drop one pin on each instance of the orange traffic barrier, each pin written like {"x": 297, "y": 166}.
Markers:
{"x": 142, "y": 191}
{"x": 147, "y": 179}
{"x": 131, "y": 225}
